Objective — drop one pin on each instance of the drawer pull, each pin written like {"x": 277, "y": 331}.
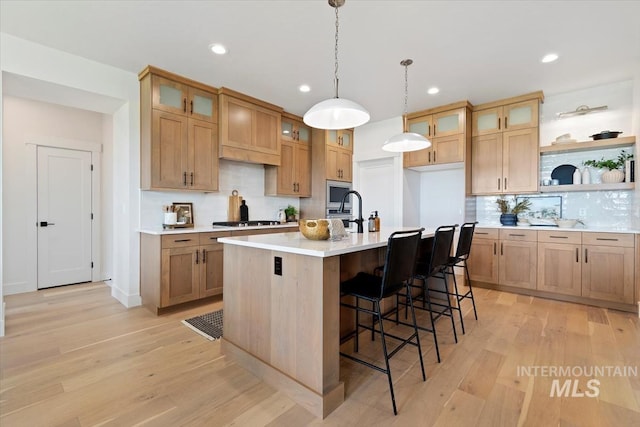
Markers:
{"x": 577, "y": 254}
{"x": 586, "y": 255}
{"x": 516, "y": 235}
{"x": 481, "y": 232}
{"x": 494, "y": 247}
{"x": 182, "y": 240}
{"x": 606, "y": 239}
{"x": 197, "y": 257}
{"x": 204, "y": 256}
{"x": 501, "y": 248}
{"x": 558, "y": 237}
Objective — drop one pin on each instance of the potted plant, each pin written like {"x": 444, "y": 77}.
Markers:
{"x": 291, "y": 213}
{"x": 509, "y": 215}
{"x": 613, "y": 167}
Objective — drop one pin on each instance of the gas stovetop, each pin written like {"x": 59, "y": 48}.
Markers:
{"x": 245, "y": 223}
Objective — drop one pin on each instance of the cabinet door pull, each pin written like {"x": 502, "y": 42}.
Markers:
{"x": 204, "y": 256}
{"x": 191, "y": 107}
{"x": 505, "y": 182}
{"x": 182, "y": 240}
{"x": 184, "y": 178}
{"x": 197, "y": 257}
{"x": 501, "y": 248}
{"x": 577, "y": 254}
{"x": 494, "y": 247}
{"x": 184, "y": 105}
{"x": 586, "y": 255}
{"x": 434, "y": 157}
{"x": 558, "y": 237}
{"x": 499, "y": 181}
{"x": 506, "y": 123}
{"x": 192, "y": 179}
{"x": 606, "y": 239}
{"x": 429, "y": 156}
{"x": 498, "y": 123}
{"x": 516, "y": 235}
{"x": 434, "y": 129}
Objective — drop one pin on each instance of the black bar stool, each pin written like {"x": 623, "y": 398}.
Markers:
{"x": 398, "y": 273}
{"x": 432, "y": 263}
{"x": 460, "y": 260}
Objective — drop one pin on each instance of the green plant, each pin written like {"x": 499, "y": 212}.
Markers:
{"x": 518, "y": 207}
{"x": 290, "y": 211}
{"x": 609, "y": 164}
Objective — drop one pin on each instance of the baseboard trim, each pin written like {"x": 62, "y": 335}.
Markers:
{"x": 17, "y": 288}
{"x": 125, "y": 299}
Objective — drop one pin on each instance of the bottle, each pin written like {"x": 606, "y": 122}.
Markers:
{"x": 377, "y": 221}
{"x": 372, "y": 223}
{"x": 244, "y": 211}
{"x": 577, "y": 177}
{"x": 586, "y": 176}
{"x": 282, "y": 217}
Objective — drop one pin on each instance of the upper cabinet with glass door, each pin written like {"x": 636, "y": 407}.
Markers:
{"x": 512, "y": 114}
{"x": 179, "y": 98}
{"x": 341, "y": 138}
{"x": 294, "y": 130}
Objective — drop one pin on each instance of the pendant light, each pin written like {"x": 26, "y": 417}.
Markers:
{"x": 407, "y": 141}
{"x": 336, "y": 113}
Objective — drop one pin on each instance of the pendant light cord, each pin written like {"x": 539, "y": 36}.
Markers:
{"x": 335, "y": 81}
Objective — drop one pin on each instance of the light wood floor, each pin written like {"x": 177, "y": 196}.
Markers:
{"x": 73, "y": 356}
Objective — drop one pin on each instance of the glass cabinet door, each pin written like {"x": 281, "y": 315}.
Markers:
{"x": 448, "y": 123}
{"x": 202, "y": 105}
{"x": 345, "y": 139}
{"x": 521, "y": 115}
{"x": 287, "y": 130}
{"x": 303, "y": 133}
{"x": 487, "y": 121}
{"x": 420, "y": 125}
{"x": 169, "y": 96}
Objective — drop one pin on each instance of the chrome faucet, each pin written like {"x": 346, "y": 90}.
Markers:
{"x": 360, "y": 220}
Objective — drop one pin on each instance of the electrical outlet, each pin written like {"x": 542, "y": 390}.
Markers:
{"x": 582, "y": 212}
{"x": 277, "y": 266}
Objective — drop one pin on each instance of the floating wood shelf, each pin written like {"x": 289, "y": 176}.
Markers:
{"x": 589, "y": 145}
{"x": 588, "y": 187}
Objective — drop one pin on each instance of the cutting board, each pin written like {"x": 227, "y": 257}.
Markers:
{"x": 234, "y": 206}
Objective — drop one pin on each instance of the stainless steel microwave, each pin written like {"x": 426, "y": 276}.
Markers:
{"x": 335, "y": 192}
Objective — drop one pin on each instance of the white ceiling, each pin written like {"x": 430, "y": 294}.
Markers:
{"x": 472, "y": 50}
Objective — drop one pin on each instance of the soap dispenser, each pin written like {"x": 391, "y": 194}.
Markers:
{"x": 376, "y": 218}
{"x": 372, "y": 223}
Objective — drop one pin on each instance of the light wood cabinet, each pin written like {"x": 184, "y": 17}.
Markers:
{"x": 483, "y": 257}
{"x": 518, "y": 258}
{"x": 183, "y": 267}
{"x": 339, "y": 164}
{"x": 559, "y": 262}
{"x": 504, "y": 146}
{"x": 179, "y": 134}
{"x": 598, "y": 266}
{"x": 293, "y": 176}
{"x": 340, "y": 138}
{"x": 447, "y": 130}
{"x": 608, "y": 267}
{"x": 250, "y": 129}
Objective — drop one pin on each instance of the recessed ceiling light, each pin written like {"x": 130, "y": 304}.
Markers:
{"x": 550, "y": 57}
{"x": 218, "y": 49}
{"x": 433, "y": 90}
{"x": 304, "y": 88}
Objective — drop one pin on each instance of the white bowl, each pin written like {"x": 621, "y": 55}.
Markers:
{"x": 566, "y": 223}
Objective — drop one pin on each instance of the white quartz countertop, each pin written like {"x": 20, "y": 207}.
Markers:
{"x": 296, "y": 243}
{"x": 209, "y": 229}
{"x": 552, "y": 228}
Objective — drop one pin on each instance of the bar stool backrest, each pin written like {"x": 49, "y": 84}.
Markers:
{"x": 400, "y": 260}
{"x": 464, "y": 241}
{"x": 441, "y": 250}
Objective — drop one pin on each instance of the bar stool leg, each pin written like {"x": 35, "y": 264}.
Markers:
{"x": 357, "y": 325}
{"x": 415, "y": 329}
{"x": 386, "y": 357}
{"x": 453, "y": 323}
{"x": 473, "y": 300}
{"x": 427, "y": 300}
{"x": 458, "y": 298}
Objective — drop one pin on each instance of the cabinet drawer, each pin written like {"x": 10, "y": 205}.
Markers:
{"x": 608, "y": 239}
{"x": 212, "y": 237}
{"x": 519, "y": 235}
{"x": 571, "y": 237}
{"x": 486, "y": 233}
{"x": 180, "y": 240}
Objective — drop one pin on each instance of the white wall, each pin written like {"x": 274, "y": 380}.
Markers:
{"x": 442, "y": 200}
{"x": 26, "y": 123}
{"x": 100, "y": 85}
{"x": 2, "y": 305}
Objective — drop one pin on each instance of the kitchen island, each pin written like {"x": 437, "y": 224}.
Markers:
{"x": 282, "y": 317}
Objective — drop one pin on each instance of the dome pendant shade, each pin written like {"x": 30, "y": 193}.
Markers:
{"x": 336, "y": 113}
{"x": 407, "y": 141}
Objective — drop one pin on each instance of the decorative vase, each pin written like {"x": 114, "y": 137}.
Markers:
{"x": 577, "y": 177}
{"x": 612, "y": 176}
{"x": 508, "y": 219}
{"x": 586, "y": 176}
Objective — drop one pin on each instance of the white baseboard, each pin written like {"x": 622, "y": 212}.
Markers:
{"x": 125, "y": 299}
{"x": 17, "y": 288}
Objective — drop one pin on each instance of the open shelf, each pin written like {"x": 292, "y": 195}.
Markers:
{"x": 589, "y": 145}
{"x": 587, "y": 187}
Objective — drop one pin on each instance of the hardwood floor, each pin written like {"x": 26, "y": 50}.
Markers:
{"x": 74, "y": 356}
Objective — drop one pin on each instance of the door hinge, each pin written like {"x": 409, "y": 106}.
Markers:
{"x": 91, "y": 264}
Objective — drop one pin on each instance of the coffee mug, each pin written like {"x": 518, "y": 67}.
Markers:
{"x": 555, "y": 182}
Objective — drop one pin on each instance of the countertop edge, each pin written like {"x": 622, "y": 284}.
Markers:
{"x": 553, "y": 228}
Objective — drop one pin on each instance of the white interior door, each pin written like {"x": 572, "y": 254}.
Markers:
{"x": 64, "y": 217}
